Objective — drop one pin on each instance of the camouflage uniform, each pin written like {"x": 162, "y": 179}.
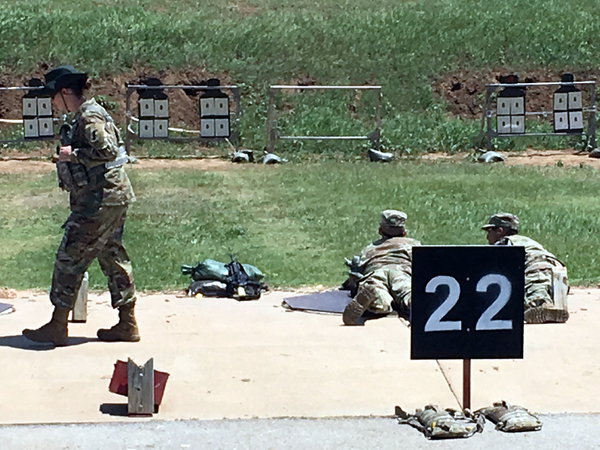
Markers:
{"x": 538, "y": 270}
{"x": 539, "y": 303}
{"x": 387, "y": 265}
{"x": 386, "y": 268}
{"x": 99, "y": 198}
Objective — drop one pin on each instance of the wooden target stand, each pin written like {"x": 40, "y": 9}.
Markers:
{"x": 79, "y": 313}
{"x": 140, "y": 393}
{"x": 143, "y": 386}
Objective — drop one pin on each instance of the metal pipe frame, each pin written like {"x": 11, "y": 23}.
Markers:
{"x": 233, "y": 137}
{"x": 279, "y": 86}
{"x": 492, "y": 133}
{"x": 272, "y": 135}
{"x": 320, "y": 138}
{"x": 543, "y": 83}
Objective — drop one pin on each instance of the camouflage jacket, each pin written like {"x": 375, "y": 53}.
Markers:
{"x": 386, "y": 251}
{"x": 95, "y": 140}
{"x": 536, "y": 256}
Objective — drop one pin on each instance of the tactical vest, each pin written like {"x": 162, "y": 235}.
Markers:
{"x": 385, "y": 251}
{"x": 536, "y": 256}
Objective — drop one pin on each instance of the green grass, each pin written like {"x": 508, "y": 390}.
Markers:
{"x": 402, "y": 45}
{"x": 298, "y": 222}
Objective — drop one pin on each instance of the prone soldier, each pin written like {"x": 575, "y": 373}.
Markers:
{"x": 384, "y": 271}
{"x": 542, "y": 303}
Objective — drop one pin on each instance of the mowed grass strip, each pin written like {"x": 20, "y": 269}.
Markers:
{"x": 298, "y": 222}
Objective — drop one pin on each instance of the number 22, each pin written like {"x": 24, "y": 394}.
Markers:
{"x": 486, "y": 322}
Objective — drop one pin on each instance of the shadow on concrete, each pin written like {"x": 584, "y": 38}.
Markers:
{"x": 120, "y": 409}
{"x": 20, "y": 341}
{"x": 114, "y": 409}
{"x": 368, "y": 316}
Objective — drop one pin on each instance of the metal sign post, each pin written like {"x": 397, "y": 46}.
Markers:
{"x": 273, "y": 135}
{"x": 467, "y": 303}
{"x": 466, "y": 384}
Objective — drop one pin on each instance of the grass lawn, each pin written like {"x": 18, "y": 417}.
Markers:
{"x": 297, "y": 222}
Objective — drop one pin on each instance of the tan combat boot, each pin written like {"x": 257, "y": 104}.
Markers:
{"x": 54, "y": 332}
{"x": 546, "y": 313}
{"x": 357, "y": 306}
{"x": 126, "y": 330}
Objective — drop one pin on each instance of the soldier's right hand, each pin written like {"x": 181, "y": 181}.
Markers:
{"x": 64, "y": 154}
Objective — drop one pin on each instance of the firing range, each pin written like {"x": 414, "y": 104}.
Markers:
{"x": 219, "y": 113}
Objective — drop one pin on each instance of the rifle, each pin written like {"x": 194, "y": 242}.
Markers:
{"x": 239, "y": 284}
{"x": 69, "y": 174}
{"x": 65, "y": 180}
{"x": 354, "y": 275}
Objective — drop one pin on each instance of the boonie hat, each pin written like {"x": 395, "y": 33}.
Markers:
{"x": 505, "y": 220}
{"x": 60, "y": 77}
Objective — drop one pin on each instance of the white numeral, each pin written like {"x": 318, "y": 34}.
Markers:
{"x": 486, "y": 321}
{"x": 435, "y": 320}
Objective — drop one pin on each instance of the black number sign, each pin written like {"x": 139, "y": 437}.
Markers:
{"x": 467, "y": 302}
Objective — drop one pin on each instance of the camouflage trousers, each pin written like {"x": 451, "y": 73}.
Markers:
{"x": 389, "y": 286}
{"x": 538, "y": 288}
{"x": 89, "y": 237}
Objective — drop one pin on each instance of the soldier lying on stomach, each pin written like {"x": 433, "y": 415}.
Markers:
{"x": 544, "y": 301}
{"x": 385, "y": 271}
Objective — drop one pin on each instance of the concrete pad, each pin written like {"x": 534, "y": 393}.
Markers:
{"x": 227, "y": 359}
{"x": 559, "y": 371}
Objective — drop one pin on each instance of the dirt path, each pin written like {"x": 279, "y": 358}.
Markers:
{"x": 529, "y": 158}
{"x": 20, "y": 164}
{"x": 12, "y": 166}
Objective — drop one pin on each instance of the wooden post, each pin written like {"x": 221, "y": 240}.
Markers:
{"x": 271, "y": 131}
{"x": 140, "y": 388}
{"x": 466, "y": 384}
{"x": 80, "y": 309}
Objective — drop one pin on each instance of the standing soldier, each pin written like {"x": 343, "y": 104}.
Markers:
{"x": 540, "y": 305}
{"x": 100, "y": 193}
{"x": 386, "y": 269}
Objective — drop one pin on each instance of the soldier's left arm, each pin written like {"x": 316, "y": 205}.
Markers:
{"x": 102, "y": 137}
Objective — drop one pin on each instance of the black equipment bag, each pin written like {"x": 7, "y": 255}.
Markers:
{"x": 239, "y": 284}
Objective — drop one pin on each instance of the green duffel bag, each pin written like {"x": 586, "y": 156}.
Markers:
{"x": 209, "y": 269}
